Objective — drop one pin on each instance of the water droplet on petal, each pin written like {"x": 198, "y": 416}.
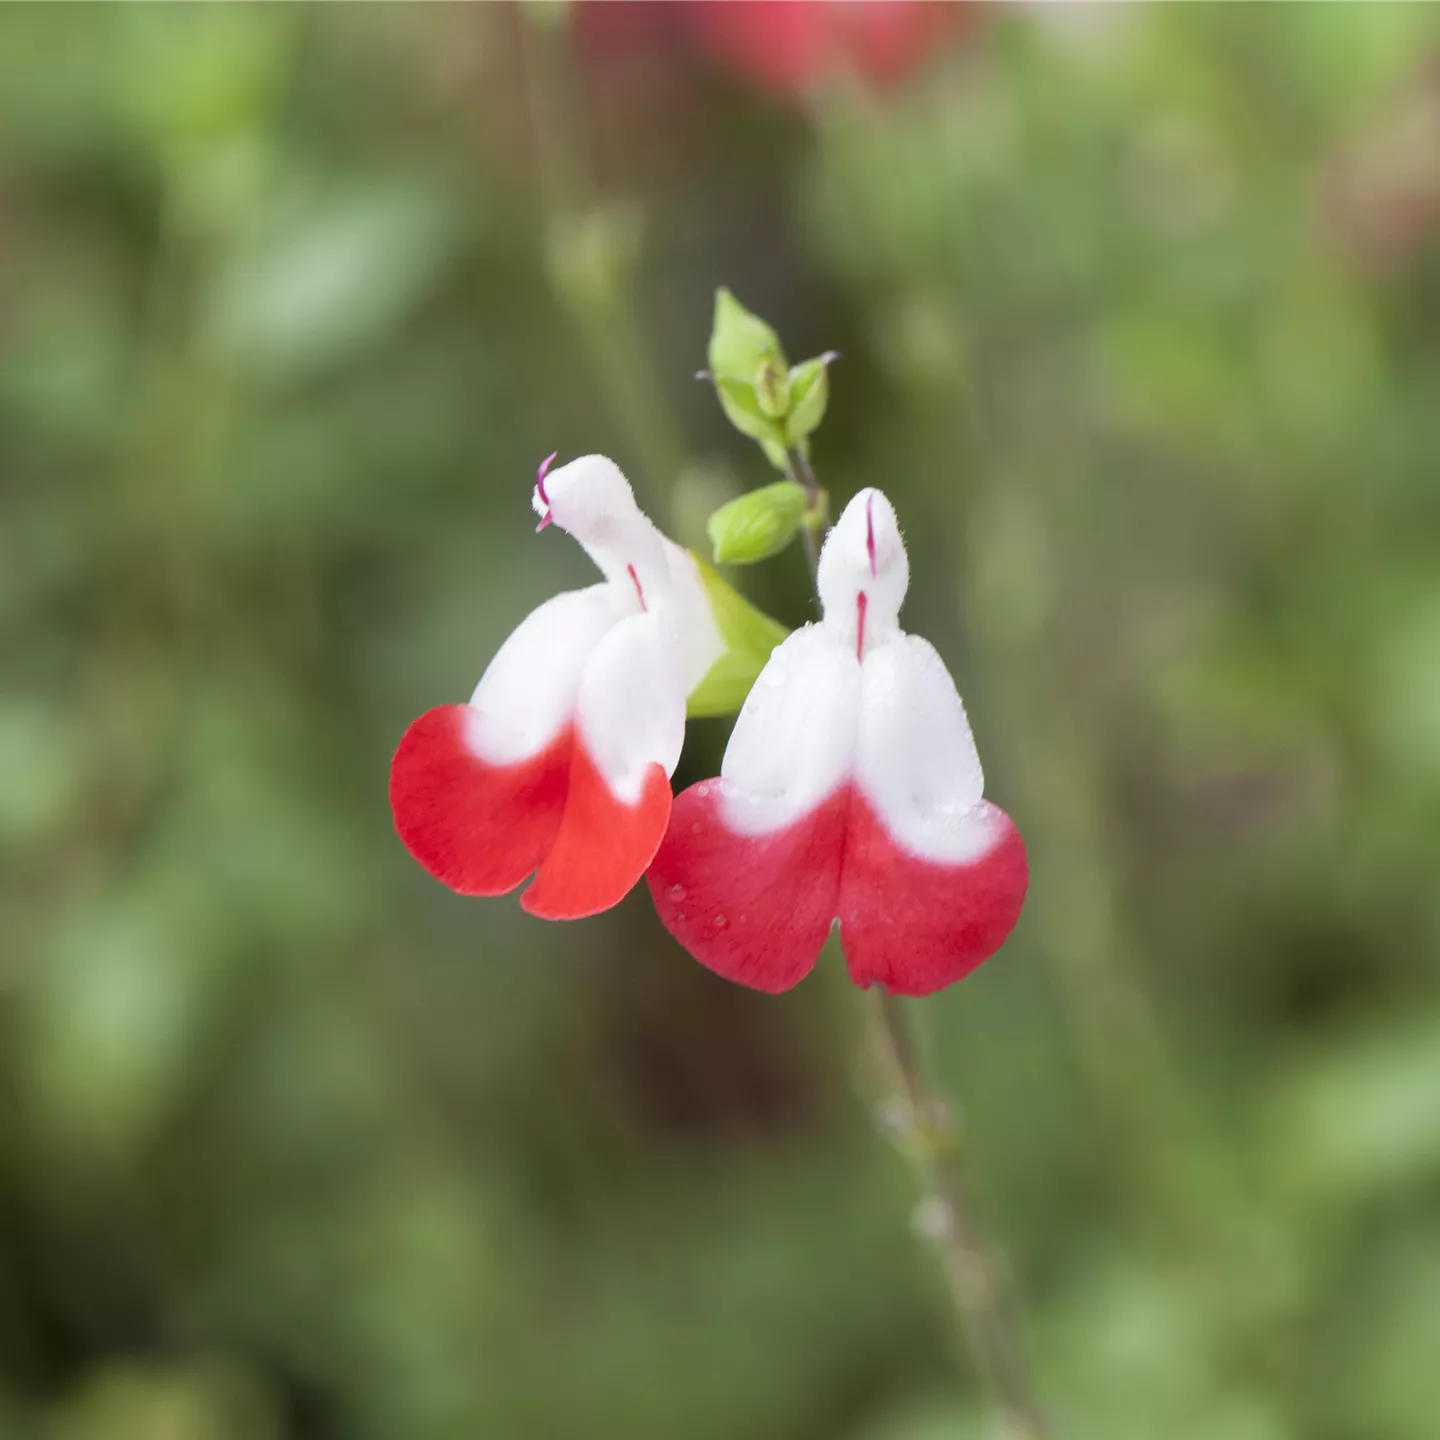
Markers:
{"x": 695, "y": 828}
{"x": 720, "y": 922}
{"x": 680, "y": 918}
{"x": 677, "y": 892}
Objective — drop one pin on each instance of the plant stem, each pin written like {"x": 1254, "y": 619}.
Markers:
{"x": 924, "y": 1130}
{"x": 589, "y": 262}
{"x": 798, "y": 469}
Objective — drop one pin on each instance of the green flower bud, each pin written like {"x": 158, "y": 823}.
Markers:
{"x": 742, "y": 408}
{"x": 809, "y": 394}
{"x": 757, "y": 525}
{"x": 739, "y": 341}
{"x": 772, "y": 387}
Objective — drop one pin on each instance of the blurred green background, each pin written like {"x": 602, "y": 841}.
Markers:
{"x": 1140, "y": 314}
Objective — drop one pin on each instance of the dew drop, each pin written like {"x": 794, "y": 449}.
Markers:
{"x": 680, "y": 918}
{"x": 720, "y": 922}
{"x": 695, "y": 828}
{"x": 677, "y": 892}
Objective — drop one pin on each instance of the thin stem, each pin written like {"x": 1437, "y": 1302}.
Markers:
{"x": 923, "y": 1127}
{"x": 797, "y": 467}
{"x": 591, "y": 255}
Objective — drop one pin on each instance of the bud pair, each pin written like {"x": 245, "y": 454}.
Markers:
{"x": 779, "y": 406}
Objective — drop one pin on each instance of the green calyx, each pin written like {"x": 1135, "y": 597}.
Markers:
{"x": 749, "y": 635}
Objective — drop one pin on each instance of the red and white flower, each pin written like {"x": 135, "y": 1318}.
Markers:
{"x": 793, "y": 46}
{"x": 560, "y": 763}
{"x": 850, "y": 790}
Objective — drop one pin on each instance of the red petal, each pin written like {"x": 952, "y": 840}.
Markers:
{"x": 478, "y": 828}
{"x": 754, "y": 908}
{"x": 603, "y": 846}
{"x": 915, "y": 926}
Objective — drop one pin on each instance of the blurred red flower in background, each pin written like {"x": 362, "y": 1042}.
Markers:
{"x": 791, "y": 46}
{"x": 785, "y": 47}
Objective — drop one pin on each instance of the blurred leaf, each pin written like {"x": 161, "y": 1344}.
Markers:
{"x": 218, "y": 1403}
{"x": 928, "y": 1419}
{"x": 114, "y": 1020}
{"x": 41, "y": 770}
{"x": 203, "y": 73}
{"x": 1387, "y": 1340}
{"x": 1357, "y": 1121}
{"x": 592, "y": 255}
{"x": 332, "y": 276}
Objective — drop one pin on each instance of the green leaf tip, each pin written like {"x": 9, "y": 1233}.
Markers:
{"x": 809, "y": 384}
{"x": 740, "y": 339}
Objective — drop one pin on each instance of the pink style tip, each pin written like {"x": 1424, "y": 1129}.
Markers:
{"x": 545, "y": 465}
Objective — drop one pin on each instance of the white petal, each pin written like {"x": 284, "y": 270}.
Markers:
{"x": 864, "y": 556}
{"x": 591, "y": 499}
{"x": 528, "y": 692}
{"x": 701, "y": 643}
{"x": 631, "y": 709}
{"x": 795, "y": 740}
{"x": 917, "y": 760}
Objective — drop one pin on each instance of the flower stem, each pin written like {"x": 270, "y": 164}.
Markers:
{"x": 812, "y": 532}
{"x": 924, "y": 1130}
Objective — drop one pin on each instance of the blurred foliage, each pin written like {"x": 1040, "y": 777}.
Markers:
{"x": 1139, "y": 315}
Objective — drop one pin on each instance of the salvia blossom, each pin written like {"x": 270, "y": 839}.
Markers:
{"x": 560, "y": 763}
{"x": 788, "y": 48}
{"x": 792, "y": 46}
{"x": 851, "y": 789}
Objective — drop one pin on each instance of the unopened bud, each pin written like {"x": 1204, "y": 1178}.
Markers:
{"x": 772, "y": 386}
{"x": 757, "y": 525}
{"x": 739, "y": 340}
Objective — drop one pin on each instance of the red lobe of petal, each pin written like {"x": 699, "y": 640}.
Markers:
{"x": 478, "y": 828}
{"x": 603, "y": 844}
{"x": 756, "y": 909}
{"x": 916, "y": 926}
